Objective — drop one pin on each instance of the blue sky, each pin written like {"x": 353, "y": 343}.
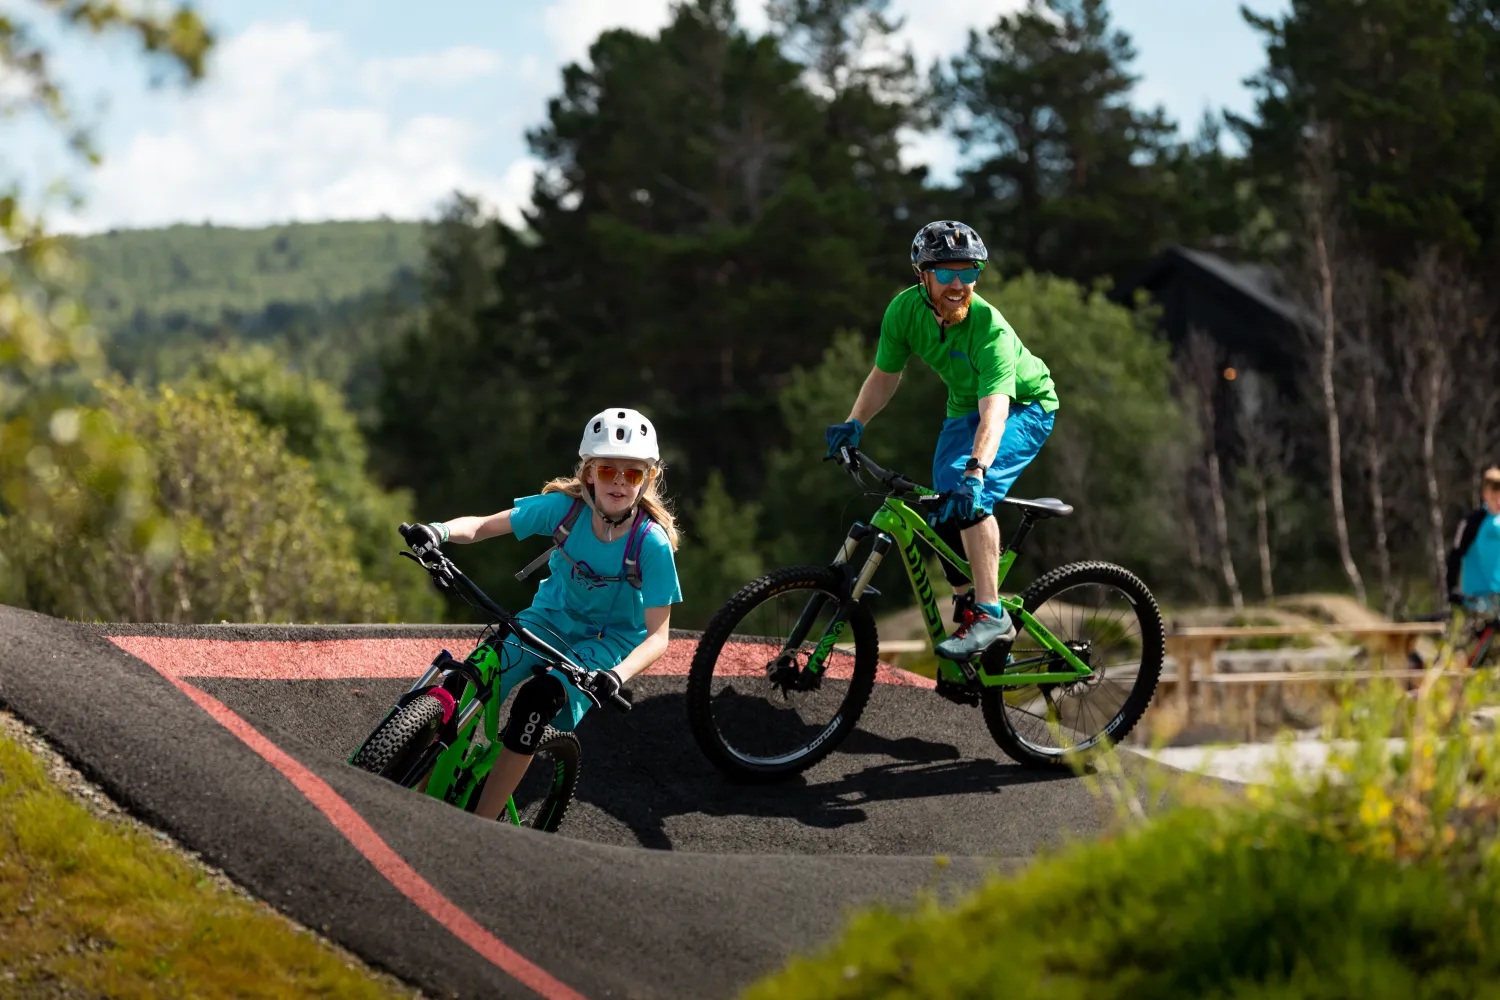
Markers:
{"x": 359, "y": 108}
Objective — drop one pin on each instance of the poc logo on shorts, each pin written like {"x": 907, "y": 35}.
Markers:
{"x": 528, "y": 735}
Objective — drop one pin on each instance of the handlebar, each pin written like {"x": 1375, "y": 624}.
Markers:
{"x": 855, "y": 463}
{"x": 446, "y": 575}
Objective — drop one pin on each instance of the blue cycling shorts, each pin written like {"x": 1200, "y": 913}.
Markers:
{"x": 585, "y": 646}
{"x": 1026, "y": 429}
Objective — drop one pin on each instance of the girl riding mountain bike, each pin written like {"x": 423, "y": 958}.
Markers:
{"x": 608, "y": 598}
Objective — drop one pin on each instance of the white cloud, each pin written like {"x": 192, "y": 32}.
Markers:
{"x": 513, "y": 190}
{"x": 292, "y": 124}
{"x": 449, "y": 68}
{"x": 937, "y": 32}
{"x": 572, "y": 25}
{"x": 278, "y": 133}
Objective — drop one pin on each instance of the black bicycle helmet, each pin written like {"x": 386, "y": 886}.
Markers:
{"x": 946, "y": 242}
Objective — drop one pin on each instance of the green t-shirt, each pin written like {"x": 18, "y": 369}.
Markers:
{"x": 979, "y": 357}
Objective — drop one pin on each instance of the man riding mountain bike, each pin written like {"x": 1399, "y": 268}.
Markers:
{"x": 1001, "y": 406}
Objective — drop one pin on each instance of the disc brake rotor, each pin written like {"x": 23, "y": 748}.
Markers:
{"x": 787, "y": 676}
{"x": 1082, "y": 649}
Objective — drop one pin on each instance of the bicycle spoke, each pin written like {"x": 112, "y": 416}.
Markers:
{"x": 765, "y": 705}
{"x": 1103, "y": 626}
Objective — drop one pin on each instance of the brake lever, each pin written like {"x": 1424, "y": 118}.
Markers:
{"x": 443, "y": 575}
{"x": 850, "y": 462}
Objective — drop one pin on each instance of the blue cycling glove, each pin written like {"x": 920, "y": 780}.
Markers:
{"x": 964, "y": 502}
{"x": 846, "y": 434}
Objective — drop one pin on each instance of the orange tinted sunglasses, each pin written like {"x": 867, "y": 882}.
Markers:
{"x": 608, "y": 474}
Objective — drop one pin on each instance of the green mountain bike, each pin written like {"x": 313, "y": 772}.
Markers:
{"x": 785, "y": 668}
{"x": 442, "y": 735}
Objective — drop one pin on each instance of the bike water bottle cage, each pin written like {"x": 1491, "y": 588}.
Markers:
{"x": 630, "y": 568}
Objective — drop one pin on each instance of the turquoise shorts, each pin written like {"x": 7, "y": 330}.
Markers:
{"x": 572, "y": 638}
{"x": 1026, "y": 429}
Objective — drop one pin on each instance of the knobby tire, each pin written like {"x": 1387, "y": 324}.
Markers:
{"x": 1153, "y": 642}
{"x": 394, "y": 747}
{"x": 740, "y": 765}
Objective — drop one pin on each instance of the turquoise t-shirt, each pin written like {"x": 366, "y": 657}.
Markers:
{"x": 1481, "y": 565}
{"x": 615, "y": 607}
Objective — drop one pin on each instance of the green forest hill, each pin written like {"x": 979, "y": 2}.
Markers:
{"x": 200, "y": 275}
{"x": 160, "y": 295}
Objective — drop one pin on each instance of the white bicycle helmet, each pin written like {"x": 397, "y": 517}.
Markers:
{"x": 620, "y": 433}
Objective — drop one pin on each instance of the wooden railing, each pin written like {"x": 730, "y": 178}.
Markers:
{"x": 1193, "y": 649}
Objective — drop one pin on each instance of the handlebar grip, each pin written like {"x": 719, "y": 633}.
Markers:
{"x": 621, "y": 702}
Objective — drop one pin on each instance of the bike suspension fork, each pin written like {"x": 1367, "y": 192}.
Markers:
{"x": 861, "y": 583}
{"x": 882, "y": 545}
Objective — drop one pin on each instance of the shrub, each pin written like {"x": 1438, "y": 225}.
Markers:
{"x": 317, "y": 425}
{"x": 1375, "y": 877}
{"x": 250, "y": 537}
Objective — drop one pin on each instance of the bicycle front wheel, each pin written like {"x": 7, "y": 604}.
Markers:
{"x": 754, "y": 709}
{"x": 397, "y": 746}
{"x": 1108, "y": 618}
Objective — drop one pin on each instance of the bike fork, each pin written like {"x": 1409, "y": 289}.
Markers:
{"x": 839, "y": 621}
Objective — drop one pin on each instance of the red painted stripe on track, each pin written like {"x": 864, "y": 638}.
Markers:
{"x": 333, "y": 659}
{"x": 363, "y": 837}
{"x": 327, "y": 659}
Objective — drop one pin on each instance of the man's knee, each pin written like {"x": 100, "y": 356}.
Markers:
{"x": 536, "y": 703}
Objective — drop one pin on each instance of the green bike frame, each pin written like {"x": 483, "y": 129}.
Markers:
{"x": 897, "y": 524}
{"x": 458, "y": 769}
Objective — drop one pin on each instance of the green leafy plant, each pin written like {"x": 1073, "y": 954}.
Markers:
{"x": 243, "y": 534}
{"x": 1374, "y": 875}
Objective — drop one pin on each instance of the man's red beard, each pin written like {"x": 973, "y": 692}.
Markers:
{"x": 952, "y": 315}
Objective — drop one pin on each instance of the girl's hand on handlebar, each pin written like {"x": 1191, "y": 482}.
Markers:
{"x": 422, "y": 537}
{"x": 606, "y": 684}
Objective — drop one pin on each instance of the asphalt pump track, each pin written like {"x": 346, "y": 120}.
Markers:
{"x": 666, "y": 881}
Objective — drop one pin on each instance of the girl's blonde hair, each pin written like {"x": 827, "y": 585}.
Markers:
{"x": 652, "y": 501}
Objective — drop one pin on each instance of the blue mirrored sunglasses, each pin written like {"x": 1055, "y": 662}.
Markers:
{"x": 945, "y": 275}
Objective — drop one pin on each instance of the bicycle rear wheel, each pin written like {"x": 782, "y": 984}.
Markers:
{"x": 1105, "y": 614}
{"x": 746, "y": 709}
{"x": 546, "y": 790}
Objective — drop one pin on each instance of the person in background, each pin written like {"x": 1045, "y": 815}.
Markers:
{"x": 1474, "y": 560}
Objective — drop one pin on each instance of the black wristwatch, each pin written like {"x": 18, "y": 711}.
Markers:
{"x": 972, "y": 465}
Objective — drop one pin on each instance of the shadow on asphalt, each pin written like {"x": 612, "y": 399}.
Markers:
{"x": 919, "y": 776}
{"x": 845, "y": 789}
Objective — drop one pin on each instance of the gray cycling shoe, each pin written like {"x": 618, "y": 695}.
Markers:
{"x": 963, "y": 607}
{"x": 975, "y": 635}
